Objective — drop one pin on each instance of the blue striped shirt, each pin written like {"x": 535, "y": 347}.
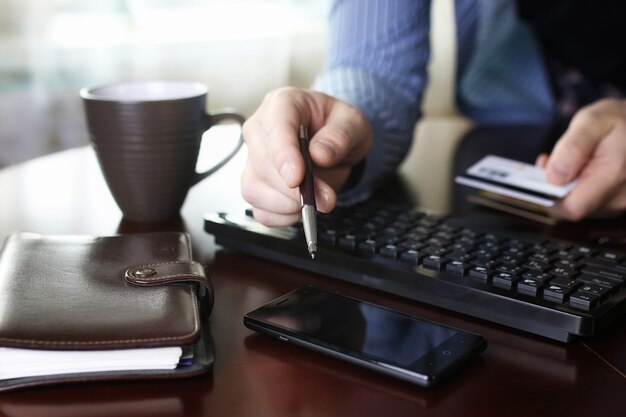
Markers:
{"x": 378, "y": 56}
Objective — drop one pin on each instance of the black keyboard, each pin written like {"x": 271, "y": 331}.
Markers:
{"x": 547, "y": 287}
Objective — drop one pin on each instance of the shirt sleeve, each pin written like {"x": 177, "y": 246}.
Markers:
{"x": 378, "y": 55}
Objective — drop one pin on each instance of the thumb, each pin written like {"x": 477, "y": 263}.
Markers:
{"x": 343, "y": 140}
{"x": 577, "y": 145}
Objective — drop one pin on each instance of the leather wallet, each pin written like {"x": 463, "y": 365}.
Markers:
{"x": 95, "y": 293}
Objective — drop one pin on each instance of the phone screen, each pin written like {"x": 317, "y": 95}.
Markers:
{"x": 415, "y": 349}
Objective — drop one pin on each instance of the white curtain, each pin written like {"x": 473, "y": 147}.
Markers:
{"x": 50, "y": 48}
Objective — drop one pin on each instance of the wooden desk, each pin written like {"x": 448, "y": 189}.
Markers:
{"x": 518, "y": 375}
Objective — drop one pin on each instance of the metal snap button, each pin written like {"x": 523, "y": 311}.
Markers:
{"x": 144, "y": 272}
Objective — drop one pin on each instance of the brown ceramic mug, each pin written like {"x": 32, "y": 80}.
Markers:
{"x": 147, "y": 136}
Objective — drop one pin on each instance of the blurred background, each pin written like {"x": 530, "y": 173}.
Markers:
{"x": 49, "y": 49}
{"x": 241, "y": 49}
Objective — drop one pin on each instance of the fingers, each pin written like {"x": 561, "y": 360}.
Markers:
{"x": 275, "y": 167}
{"x": 577, "y": 145}
{"x": 263, "y": 195}
{"x": 542, "y": 160}
{"x": 274, "y": 198}
{"x": 272, "y": 219}
{"x": 615, "y": 206}
{"x": 601, "y": 187}
{"x": 343, "y": 140}
{"x": 601, "y": 181}
{"x": 273, "y": 130}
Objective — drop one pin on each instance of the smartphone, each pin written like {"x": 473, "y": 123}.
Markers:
{"x": 379, "y": 338}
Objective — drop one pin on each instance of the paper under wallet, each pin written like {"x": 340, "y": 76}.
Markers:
{"x": 79, "y": 308}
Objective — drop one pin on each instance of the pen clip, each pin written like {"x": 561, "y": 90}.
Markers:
{"x": 307, "y": 187}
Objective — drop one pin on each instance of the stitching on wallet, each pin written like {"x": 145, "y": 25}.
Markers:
{"x": 159, "y": 278}
{"x": 169, "y": 263}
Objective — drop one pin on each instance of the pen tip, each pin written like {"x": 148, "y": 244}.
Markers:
{"x": 312, "y": 247}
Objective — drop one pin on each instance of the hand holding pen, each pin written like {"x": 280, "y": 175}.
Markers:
{"x": 307, "y": 194}
{"x": 340, "y": 138}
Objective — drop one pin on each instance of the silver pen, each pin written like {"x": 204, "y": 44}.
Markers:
{"x": 307, "y": 194}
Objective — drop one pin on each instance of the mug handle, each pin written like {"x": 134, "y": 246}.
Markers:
{"x": 212, "y": 120}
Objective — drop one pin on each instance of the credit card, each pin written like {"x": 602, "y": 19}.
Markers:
{"x": 514, "y": 179}
{"x": 513, "y": 206}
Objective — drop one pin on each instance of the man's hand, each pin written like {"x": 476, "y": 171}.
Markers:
{"x": 593, "y": 149}
{"x": 340, "y": 137}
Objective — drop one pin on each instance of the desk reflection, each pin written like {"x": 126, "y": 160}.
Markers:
{"x": 357, "y": 389}
{"x": 132, "y": 399}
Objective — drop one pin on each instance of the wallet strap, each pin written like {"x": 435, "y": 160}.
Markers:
{"x": 172, "y": 272}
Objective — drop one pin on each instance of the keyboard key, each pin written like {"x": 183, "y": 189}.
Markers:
{"x": 559, "y": 289}
{"x": 436, "y": 250}
{"x": 393, "y": 231}
{"x": 491, "y": 237}
{"x": 584, "y": 301}
{"x": 429, "y": 221}
{"x": 435, "y": 241}
{"x": 459, "y": 256}
{"x": 368, "y": 247}
{"x": 565, "y": 263}
{"x": 461, "y": 246}
{"x": 411, "y": 244}
{"x": 485, "y": 253}
{"x": 609, "y": 256}
{"x": 535, "y": 266}
{"x": 594, "y": 289}
{"x": 389, "y": 240}
{"x": 607, "y": 273}
{"x": 517, "y": 243}
{"x": 504, "y": 280}
{"x": 513, "y": 251}
{"x": 470, "y": 233}
{"x": 479, "y": 273}
{"x": 566, "y": 254}
{"x": 389, "y": 251}
{"x": 583, "y": 251}
{"x": 542, "y": 249}
{"x": 565, "y": 282}
{"x": 448, "y": 228}
{"x": 555, "y": 293}
{"x": 412, "y": 256}
{"x": 508, "y": 260}
{"x": 540, "y": 257}
{"x": 422, "y": 230}
{"x": 490, "y": 246}
{"x": 509, "y": 269}
{"x": 348, "y": 242}
{"x": 536, "y": 275}
{"x": 410, "y": 216}
{"x": 560, "y": 271}
{"x": 529, "y": 286}
{"x": 435, "y": 262}
{"x": 444, "y": 235}
{"x": 487, "y": 263}
{"x": 599, "y": 261}
{"x": 591, "y": 279}
{"x": 458, "y": 267}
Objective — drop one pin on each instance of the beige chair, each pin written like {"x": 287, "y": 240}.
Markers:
{"x": 439, "y": 131}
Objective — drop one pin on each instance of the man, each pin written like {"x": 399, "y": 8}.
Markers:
{"x": 526, "y": 62}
